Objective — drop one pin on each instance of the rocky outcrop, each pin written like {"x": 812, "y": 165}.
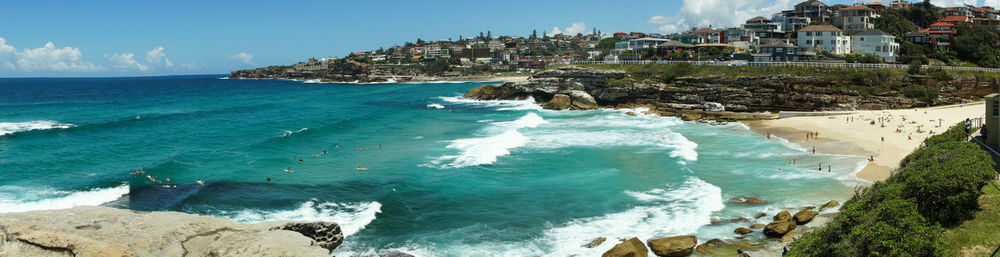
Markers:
{"x": 779, "y": 228}
{"x": 103, "y": 231}
{"x": 676, "y": 246}
{"x": 596, "y": 242}
{"x": 742, "y": 231}
{"x": 325, "y": 71}
{"x": 715, "y": 97}
{"x": 632, "y": 247}
{"x": 782, "y": 216}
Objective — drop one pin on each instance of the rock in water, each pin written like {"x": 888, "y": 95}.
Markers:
{"x": 783, "y": 215}
{"x": 673, "y": 246}
{"x": 581, "y": 100}
{"x": 596, "y": 242}
{"x": 779, "y": 228}
{"x": 743, "y": 231}
{"x": 103, "y": 231}
{"x": 757, "y": 226}
{"x": 630, "y": 248}
{"x": 830, "y": 204}
{"x": 804, "y": 217}
{"x": 790, "y": 237}
{"x": 558, "y": 102}
{"x": 327, "y": 234}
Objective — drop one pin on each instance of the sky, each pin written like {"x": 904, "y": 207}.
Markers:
{"x": 71, "y": 38}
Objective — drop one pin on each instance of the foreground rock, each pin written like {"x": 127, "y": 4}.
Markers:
{"x": 102, "y": 231}
{"x": 676, "y": 246}
{"x": 804, "y": 217}
{"x": 632, "y": 247}
{"x": 830, "y": 204}
{"x": 779, "y": 228}
{"x": 596, "y": 242}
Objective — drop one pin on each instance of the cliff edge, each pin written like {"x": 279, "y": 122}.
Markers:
{"x": 104, "y": 231}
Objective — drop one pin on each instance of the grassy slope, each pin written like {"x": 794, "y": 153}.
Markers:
{"x": 979, "y": 236}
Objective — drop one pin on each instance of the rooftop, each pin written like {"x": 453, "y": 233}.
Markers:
{"x": 825, "y": 27}
{"x": 857, "y": 7}
{"x": 872, "y": 32}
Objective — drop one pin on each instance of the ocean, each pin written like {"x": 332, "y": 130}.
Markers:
{"x": 410, "y": 167}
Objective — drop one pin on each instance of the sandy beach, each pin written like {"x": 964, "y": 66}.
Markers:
{"x": 854, "y": 132}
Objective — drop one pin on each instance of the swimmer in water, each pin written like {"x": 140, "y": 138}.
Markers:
{"x": 268, "y": 179}
{"x": 289, "y": 169}
{"x": 300, "y": 160}
{"x": 200, "y": 182}
{"x": 324, "y": 152}
{"x": 315, "y": 155}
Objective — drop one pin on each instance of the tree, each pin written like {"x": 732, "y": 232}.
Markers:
{"x": 420, "y": 42}
{"x": 489, "y": 34}
{"x": 894, "y": 22}
{"x": 534, "y": 34}
{"x": 606, "y": 44}
{"x": 977, "y": 45}
{"x": 481, "y": 35}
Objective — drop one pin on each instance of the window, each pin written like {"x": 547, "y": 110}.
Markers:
{"x": 809, "y": 42}
{"x": 878, "y": 48}
{"x": 862, "y": 39}
{"x": 819, "y": 33}
{"x": 809, "y": 33}
{"x": 996, "y": 108}
{"x": 833, "y": 42}
{"x": 780, "y": 49}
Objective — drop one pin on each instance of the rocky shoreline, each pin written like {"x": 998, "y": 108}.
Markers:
{"x": 708, "y": 97}
{"x": 105, "y": 231}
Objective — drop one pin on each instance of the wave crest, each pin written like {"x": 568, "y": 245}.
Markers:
{"x": 15, "y": 127}
{"x": 92, "y": 197}
{"x": 352, "y": 217}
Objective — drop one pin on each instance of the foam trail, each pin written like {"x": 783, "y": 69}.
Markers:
{"x": 435, "y": 106}
{"x": 665, "y": 212}
{"x": 486, "y": 150}
{"x": 289, "y": 132}
{"x": 352, "y": 217}
{"x": 15, "y": 127}
{"x": 92, "y": 197}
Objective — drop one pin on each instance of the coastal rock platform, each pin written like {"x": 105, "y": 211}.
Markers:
{"x": 104, "y": 231}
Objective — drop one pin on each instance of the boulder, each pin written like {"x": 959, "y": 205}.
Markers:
{"x": 762, "y": 250}
{"x": 807, "y": 208}
{"x": 632, "y": 247}
{"x": 676, "y": 246}
{"x": 713, "y": 107}
{"x": 743, "y": 231}
{"x": 580, "y": 100}
{"x": 494, "y": 92}
{"x": 757, "y": 226}
{"x": 804, "y": 217}
{"x": 759, "y": 215}
{"x": 790, "y": 237}
{"x": 689, "y": 116}
{"x": 102, "y": 231}
{"x": 747, "y": 200}
{"x": 596, "y": 242}
{"x": 783, "y": 215}
{"x": 779, "y": 228}
{"x": 558, "y": 102}
{"x": 830, "y": 204}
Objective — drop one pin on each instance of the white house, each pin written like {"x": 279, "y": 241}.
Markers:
{"x": 826, "y": 38}
{"x": 875, "y": 42}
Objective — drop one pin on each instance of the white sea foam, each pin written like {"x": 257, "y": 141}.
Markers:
{"x": 15, "y": 127}
{"x": 289, "y": 132}
{"x": 501, "y": 105}
{"x": 529, "y": 120}
{"x": 352, "y": 217}
{"x": 680, "y": 210}
{"x": 311, "y": 81}
{"x": 479, "y": 151}
{"x": 63, "y": 200}
{"x": 435, "y": 106}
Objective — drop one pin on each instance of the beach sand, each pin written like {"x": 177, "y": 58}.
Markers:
{"x": 838, "y": 136}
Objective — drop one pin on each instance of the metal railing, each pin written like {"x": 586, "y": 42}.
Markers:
{"x": 784, "y": 64}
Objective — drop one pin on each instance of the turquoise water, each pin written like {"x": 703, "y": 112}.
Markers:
{"x": 445, "y": 176}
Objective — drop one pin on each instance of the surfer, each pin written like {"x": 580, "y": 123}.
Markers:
{"x": 200, "y": 182}
{"x": 821, "y": 166}
{"x": 300, "y": 160}
{"x": 324, "y": 152}
{"x": 268, "y": 179}
{"x": 315, "y": 155}
{"x": 288, "y": 170}
{"x": 362, "y": 168}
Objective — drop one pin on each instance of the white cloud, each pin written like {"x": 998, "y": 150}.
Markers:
{"x": 126, "y": 61}
{"x": 955, "y": 3}
{"x": 193, "y": 65}
{"x": 573, "y": 29}
{"x": 7, "y": 54}
{"x": 718, "y": 13}
{"x": 157, "y": 57}
{"x": 50, "y": 58}
{"x": 992, "y": 3}
{"x": 243, "y": 57}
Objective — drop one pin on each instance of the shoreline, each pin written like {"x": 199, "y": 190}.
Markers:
{"x": 838, "y": 135}
{"x": 502, "y": 79}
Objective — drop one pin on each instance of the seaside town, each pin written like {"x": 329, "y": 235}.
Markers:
{"x": 811, "y": 31}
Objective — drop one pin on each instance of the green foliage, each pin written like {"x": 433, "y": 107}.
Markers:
{"x": 437, "y": 67}
{"x": 894, "y": 21}
{"x": 914, "y": 67}
{"x": 862, "y": 58}
{"x": 606, "y": 44}
{"x": 926, "y": 93}
{"x": 978, "y": 45}
{"x": 935, "y": 185}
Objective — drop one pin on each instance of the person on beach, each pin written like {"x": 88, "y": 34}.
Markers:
{"x": 829, "y": 168}
{"x": 871, "y": 158}
{"x": 820, "y": 166}
{"x": 768, "y": 135}
{"x": 814, "y": 150}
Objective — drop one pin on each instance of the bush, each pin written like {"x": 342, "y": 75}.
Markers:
{"x": 936, "y": 185}
{"x": 924, "y": 93}
{"x": 914, "y": 68}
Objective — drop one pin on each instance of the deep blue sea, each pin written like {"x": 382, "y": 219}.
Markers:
{"x": 445, "y": 176}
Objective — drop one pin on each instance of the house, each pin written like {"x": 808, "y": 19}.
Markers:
{"x": 781, "y": 52}
{"x": 704, "y": 34}
{"x": 878, "y": 7}
{"x": 814, "y": 10}
{"x": 900, "y": 4}
{"x": 875, "y": 42}
{"x": 790, "y": 24}
{"x": 855, "y": 18}
{"x": 763, "y": 27}
{"x": 940, "y": 35}
{"x": 955, "y": 19}
{"x": 824, "y": 37}
{"x": 643, "y": 43}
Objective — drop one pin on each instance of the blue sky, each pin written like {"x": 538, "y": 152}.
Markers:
{"x": 136, "y": 38}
